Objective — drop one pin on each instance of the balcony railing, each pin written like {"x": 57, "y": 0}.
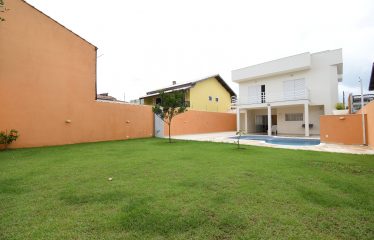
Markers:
{"x": 267, "y": 98}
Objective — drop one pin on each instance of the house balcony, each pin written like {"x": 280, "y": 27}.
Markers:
{"x": 284, "y": 98}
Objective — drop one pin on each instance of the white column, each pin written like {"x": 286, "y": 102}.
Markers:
{"x": 306, "y": 120}
{"x": 246, "y": 121}
{"x": 237, "y": 119}
{"x": 269, "y": 120}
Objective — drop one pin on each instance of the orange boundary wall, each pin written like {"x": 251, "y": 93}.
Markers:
{"x": 194, "y": 122}
{"x": 48, "y": 88}
{"x": 342, "y": 129}
{"x": 369, "y": 111}
{"x": 98, "y": 121}
{"x": 347, "y": 129}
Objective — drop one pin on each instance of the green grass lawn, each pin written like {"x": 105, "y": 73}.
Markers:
{"x": 184, "y": 190}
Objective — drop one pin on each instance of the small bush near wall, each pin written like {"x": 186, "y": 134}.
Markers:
{"x": 339, "y": 106}
{"x": 7, "y": 138}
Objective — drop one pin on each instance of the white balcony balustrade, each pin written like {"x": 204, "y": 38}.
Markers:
{"x": 301, "y": 94}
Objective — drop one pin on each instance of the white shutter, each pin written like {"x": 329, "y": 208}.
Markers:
{"x": 254, "y": 94}
{"x": 288, "y": 89}
{"x": 299, "y": 88}
{"x": 294, "y": 89}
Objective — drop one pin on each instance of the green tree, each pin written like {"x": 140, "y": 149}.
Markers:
{"x": 171, "y": 104}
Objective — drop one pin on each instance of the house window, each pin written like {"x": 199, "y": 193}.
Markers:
{"x": 158, "y": 100}
{"x": 263, "y": 95}
{"x": 210, "y": 98}
{"x": 217, "y": 99}
{"x": 294, "y": 89}
{"x": 294, "y": 117}
{"x": 254, "y": 94}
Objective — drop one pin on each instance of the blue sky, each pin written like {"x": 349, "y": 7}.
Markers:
{"x": 148, "y": 44}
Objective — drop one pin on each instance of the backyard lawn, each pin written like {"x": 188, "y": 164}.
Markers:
{"x": 184, "y": 190}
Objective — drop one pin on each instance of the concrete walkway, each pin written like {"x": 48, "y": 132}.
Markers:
{"x": 323, "y": 147}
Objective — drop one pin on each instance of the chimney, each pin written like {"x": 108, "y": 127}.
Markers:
{"x": 174, "y": 82}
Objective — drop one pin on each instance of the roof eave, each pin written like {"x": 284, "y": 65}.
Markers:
{"x": 371, "y": 84}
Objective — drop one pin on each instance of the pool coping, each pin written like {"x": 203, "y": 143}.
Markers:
{"x": 243, "y": 137}
{"x": 224, "y": 137}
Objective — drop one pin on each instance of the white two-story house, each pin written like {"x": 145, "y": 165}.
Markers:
{"x": 288, "y": 95}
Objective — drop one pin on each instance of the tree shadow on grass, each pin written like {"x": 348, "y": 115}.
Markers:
{"x": 165, "y": 142}
{"x": 106, "y": 197}
{"x": 240, "y": 148}
{"x": 12, "y": 186}
{"x": 140, "y": 216}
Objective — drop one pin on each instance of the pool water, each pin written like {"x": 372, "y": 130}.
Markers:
{"x": 282, "y": 140}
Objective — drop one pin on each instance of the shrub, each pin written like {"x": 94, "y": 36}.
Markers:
{"x": 7, "y": 138}
{"x": 339, "y": 106}
{"x": 239, "y": 134}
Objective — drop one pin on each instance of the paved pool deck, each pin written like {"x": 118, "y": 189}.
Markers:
{"x": 323, "y": 147}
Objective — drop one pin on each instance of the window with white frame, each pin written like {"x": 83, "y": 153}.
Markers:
{"x": 254, "y": 94}
{"x": 217, "y": 99}
{"x": 294, "y": 89}
{"x": 210, "y": 98}
{"x": 294, "y": 117}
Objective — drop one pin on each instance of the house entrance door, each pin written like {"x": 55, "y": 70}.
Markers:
{"x": 261, "y": 123}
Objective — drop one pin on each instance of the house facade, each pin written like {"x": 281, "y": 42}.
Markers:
{"x": 210, "y": 94}
{"x": 288, "y": 95}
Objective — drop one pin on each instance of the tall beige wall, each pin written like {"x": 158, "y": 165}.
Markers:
{"x": 48, "y": 77}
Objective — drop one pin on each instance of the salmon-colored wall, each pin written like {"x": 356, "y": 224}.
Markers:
{"x": 343, "y": 129}
{"x": 193, "y": 122}
{"x": 369, "y": 111}
{"x": 48, "y": 76}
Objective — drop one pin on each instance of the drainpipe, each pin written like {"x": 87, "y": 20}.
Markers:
{"x": 362, "y": 114}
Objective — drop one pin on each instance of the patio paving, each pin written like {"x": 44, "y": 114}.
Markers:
{"x": 323, "y": 147}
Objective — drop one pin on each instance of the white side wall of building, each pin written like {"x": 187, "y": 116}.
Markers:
{"x": 280, "y": 66}
{"x": 295, "y": 127}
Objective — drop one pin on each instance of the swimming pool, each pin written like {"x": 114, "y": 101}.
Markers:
{"x": 282, "y": 140}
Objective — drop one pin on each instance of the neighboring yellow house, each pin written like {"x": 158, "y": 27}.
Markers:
{"x": 210, "y": 94}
